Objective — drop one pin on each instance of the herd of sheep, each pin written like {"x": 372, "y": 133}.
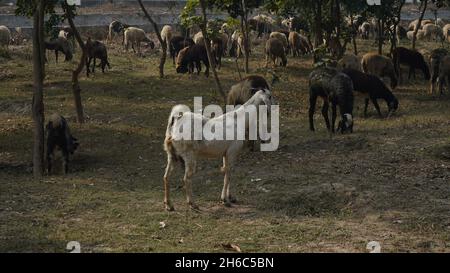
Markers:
{"x": 334, "y": 84}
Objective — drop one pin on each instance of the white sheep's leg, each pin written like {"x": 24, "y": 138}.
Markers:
{"x": 169, "y": 169}
{"x": 189, "y": 169}
{"x": 226, "y": 183}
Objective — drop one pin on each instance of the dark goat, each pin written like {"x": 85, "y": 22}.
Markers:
{"x": 190, "y": 56}
{"x": 241, "y": 92}
{"x": 177, "y": 43}
{"x": 117, "y": 27}
{"x": 60, "y": 45}
{"x": 435, "y": 61}
{"x": 334, "y": 87}
{"x": 374, "y": 87}
{"x": 96, "y": 49}
{"x": 260, "y": 27}
{"x": 413, "y": 59}
{"x": 217, "y": 50}
{"x": 58, "y": 135}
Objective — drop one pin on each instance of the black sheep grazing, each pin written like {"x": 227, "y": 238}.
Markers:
{"x": 177, "y": 43}
{"x": 435, "y": 61}
{"x": 374, "y": 87}
{"x": 60, "y": 45}
{"x": 58, "y": 135}
{"x": 334, "y": 87}
{"x": 217, "y": 50}
{"x": 96, "y": 50}
{"x": 413, "y": 59}
{"x": 190, "y": 56}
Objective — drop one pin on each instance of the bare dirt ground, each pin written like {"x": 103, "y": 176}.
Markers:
{"x": 388, "y": 181}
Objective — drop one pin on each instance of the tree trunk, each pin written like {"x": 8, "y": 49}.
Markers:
{"x": 318, "y": 24}
{"x": 76, "y": 89}
{"x": 380, "y": 36}
{"x": 212, "y": 61}
{"x": 422, "y": 14}
{"x": 163, "y": 43}
{"x": 38, "y": 97}
{"x": 245, "y": 34}
{"x": 354, "y": 31}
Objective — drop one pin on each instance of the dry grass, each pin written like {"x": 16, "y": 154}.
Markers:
{"x": 388, "y": 182}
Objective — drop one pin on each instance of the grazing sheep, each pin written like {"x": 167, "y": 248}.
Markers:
{"x": 350, "y": 61}
{"x": 275, "y": 49}
{"x": 374, "y": 88}
{"x": 298, "y": 44}
{"x": 166, "y": 35}
{"x": 413, "y": 24}
{"x": 335, "y": 88}
{"x": 444, "y": 74}
{"x": 413, "y": 59}
{"x": 380, "y": 66}
{"x": 426, "y": 22}
{"x": 96, "y": 50}
{"x": 117, "y": 28}
{"x": 245, "y": 89}
{"x": 189, "y": 151}
{"x": 60, "y": 45}
{"x": 190, "y": 56}
{"x": 217, "y": 49}
{"x": 436, "y": 58}
{"x": 446, "y": 32}
{"x": 262, "y": 24}
{"x": 225, "y": 41}
{"x": 364, "y": 30}
{"x": 177, "y": 43}
{"x": 5, "y": 36}
{"x": 199, "y": 39}
{"x": 400, "y": 33}
{"x": 58, "y": 135}
{"x": 281, "y": 37}
{"x": 432, "y": 31}
{"x": 440, "y": 22}
{"x": 420, "y": 35}
{"x": 135, "y": 36}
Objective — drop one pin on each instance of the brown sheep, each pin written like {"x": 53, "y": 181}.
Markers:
{"x": 274, "y": 50}
{"x": 298, "y": 43}
{"x": 379, "y": 65}
{"x": 350, "y": 61}
{"x": 444, "y": 74}
{"x": 280, "y": 36}
{"x": 436, "y": 58}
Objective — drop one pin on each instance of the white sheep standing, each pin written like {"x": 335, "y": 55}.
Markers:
{"x": 446, "y": 32}
{"x": 198, "y": 38}
{"x": 135, "y": 36}
{"x": 432, "y": 31}
{"x": 166, "y": 35}
{"x": 190, "y": 151}
{"x": 5, "y": 36}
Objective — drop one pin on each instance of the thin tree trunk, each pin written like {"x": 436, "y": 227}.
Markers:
{"x": 425, "y": 4}
{"x": 76, "y": 89}
{"x": 318, "y": 24}
{"x": 163, "y": 43}
{"x": 380, "y": 36}
{"x": 244, "y": 29}
{"x": 38, "y": 97}
{"x": 211, "y": 60}
{"x": 355, "y": 47}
